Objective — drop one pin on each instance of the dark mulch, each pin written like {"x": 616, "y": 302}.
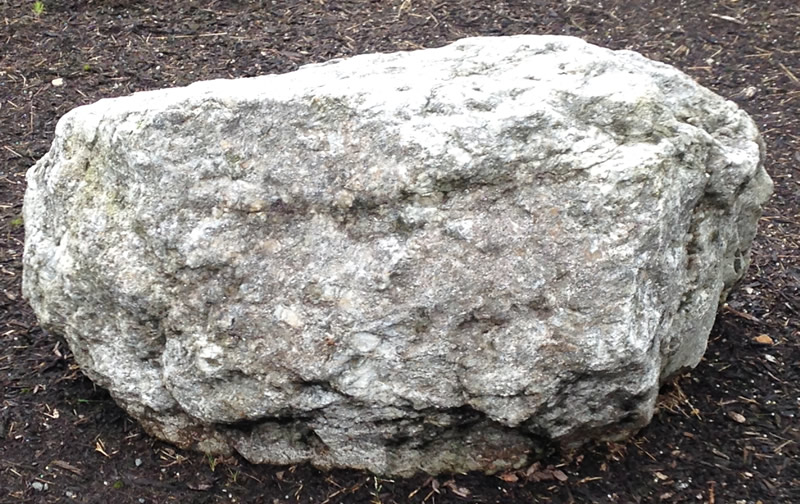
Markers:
{"x": 725, "y": 433}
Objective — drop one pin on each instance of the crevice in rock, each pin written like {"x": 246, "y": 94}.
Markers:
{"x": 247, "y": 425}
{"x": 473, "y": 322}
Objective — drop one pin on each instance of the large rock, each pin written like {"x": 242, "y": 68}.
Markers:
{"x": 431, "y": 260}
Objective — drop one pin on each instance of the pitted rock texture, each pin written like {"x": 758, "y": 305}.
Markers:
{"x": 433, "y": 260}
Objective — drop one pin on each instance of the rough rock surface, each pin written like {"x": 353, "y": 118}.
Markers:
{"x": 431, "y": 260}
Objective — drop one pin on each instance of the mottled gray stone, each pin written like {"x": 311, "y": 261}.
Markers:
{"x": 430, "y": 260}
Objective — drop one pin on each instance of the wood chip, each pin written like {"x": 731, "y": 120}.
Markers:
{"x": 66, "y": 465}
{"x": 728, "y": 18}
{"x": 101, "y": 448}
{"x": 788, "y": 72}
{"x": 719, "y": 454}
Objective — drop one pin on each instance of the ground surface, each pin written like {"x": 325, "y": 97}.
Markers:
{"x": 727, "y": 432}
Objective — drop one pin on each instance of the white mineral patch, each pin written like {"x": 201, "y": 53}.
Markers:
{"x": 288, "y": 316}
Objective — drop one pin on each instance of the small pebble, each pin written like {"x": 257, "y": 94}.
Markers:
{"x": 39, "y": 486}
{"x": 138, "y": 462}
{"x": 141, "y": 501}
{"x": 70, "y": 494}
{"x": 737, "y": 417}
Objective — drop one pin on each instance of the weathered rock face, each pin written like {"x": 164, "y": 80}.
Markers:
{"x": 415, "y": 261}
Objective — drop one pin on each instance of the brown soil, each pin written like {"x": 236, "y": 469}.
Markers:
{"x": 727, "y": 432}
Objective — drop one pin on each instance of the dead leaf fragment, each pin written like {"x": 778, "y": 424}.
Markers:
{"x": 509, "y": 477}
{"x": 538, "y": 473}
{"x": 536, "y": 467}
{"x": 459, "y": 491}
{"x": 763, "y": 339}
{"x": 737, "y": 417}
{"x": 661, "y": 476}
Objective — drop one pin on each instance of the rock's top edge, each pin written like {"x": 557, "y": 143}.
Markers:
{"x": 511, "y": 57}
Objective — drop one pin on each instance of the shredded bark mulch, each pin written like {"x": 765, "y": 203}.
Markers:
{"x": 726, "y": 432}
